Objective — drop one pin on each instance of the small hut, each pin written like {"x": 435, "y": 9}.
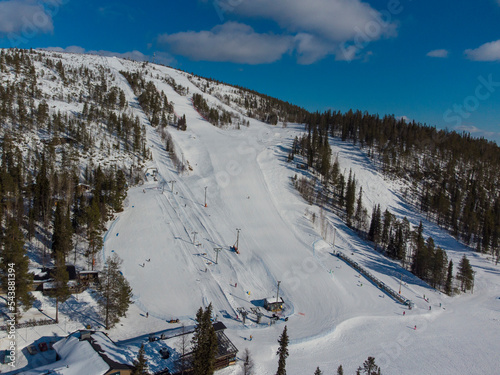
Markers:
{"x": 274, "y": 304}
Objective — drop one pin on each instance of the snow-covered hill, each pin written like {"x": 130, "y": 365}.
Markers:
{"x": 167, "y": 239}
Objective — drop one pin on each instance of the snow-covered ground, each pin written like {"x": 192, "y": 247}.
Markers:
{"x": 335, "y": 316}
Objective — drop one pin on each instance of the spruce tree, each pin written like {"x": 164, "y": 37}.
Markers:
{"x": 369, "y": 367}
{"x": 350, "y": 198}
{"x": 62, "y": 242}
{"x": 140, "y": 364}
{"x": 340, "y": 370}
{"x": 375, "y": 225}
{"x": 448, "y": 287}
{"x": 360, "y": 215}
{"x": 115, "y": 293}
{"x": 386, "y": 231}
{"x": 61, "y": 290}
{"x": 94, "y": 236}
{"x": 282, "y": 352}
{"x": 204, "y": 343}
{"x": 318, "y": 371}
{"x": 465, "y": 274}
{"x": 14, "y": 258}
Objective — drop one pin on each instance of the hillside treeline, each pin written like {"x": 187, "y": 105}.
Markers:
{"x": 68, "y": 144}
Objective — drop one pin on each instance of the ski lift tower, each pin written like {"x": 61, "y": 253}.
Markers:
{"x": 236, "y": 245}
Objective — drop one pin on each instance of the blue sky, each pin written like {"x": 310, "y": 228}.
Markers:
{"x": 434, "y": 62}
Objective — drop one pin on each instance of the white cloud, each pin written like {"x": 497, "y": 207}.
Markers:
{"x": 230, "y": 42}
{"x": 487, "y": 52}
{"x": 310, "y": 48}
{"x": 334, "y": 20}
{"x": 319, "y": 27}
{"x": 27, "y": 17}
{"x": 441, "y": 53}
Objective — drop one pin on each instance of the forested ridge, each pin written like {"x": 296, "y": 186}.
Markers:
{"x": 69, "y": 150}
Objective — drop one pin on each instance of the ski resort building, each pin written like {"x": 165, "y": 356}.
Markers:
{"x": 86, "y": 352}
{"x": 224, "y": 357}
{"x": 274, "y": 304}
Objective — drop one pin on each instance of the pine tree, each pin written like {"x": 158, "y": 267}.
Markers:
{"x": 61, "y": 277}
{"x": 14, "y": 257}
{"x": 340, "y": 370}
{"x": 282, "y": 352}
{"x": 115, "y": 293}
{"x": 94, "y": 236}
{"x": 369, "y": 367}
{"x": 465, "y": 274}
{"x": 375, "y": 225}
{"x": 438, "y": 267}
{"x": 448, "y": 288}
{"x": 63, "y": 231}
{"x": 318, "y": 371}
{"x": 204, "y": 343}
{"x": 420, "y": 253}
{"x": 350, "y": 198}
{"x": 360, "y": 215}
{"x": 386, "y": 231}
{"x": 140, "y": 364}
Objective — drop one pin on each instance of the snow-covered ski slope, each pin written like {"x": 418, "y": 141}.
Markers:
{"x": 335, "y": 316}
{"x": 167, "y": 238}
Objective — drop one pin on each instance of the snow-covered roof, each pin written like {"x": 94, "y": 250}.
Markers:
{"x": 87, "y": 272}
{"x": 77, "y": 357}
{"x": 92, "y": 356}
{"x": 54, "y": 284}
{"x": 273, "y": 300}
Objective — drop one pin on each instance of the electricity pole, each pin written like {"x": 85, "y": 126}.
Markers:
{"x": 206, "y": 196}
{"x": 217, "y": 250}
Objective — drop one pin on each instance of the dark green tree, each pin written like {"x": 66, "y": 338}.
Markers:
{"x": 282, "y": 352}
{"x": 369, "y": 367}
{"x": 340, "y": 370}
{"x": 15, "y": 262}
{"x": 204, "y": 343}
{"x": 318, "y": 371}
{"x": 115, "y": 293}
{"x": 465, "y": 274}
{"x": 61, "y": 290}
{"x": 375, "y": 225}
{"x": 94, "y": 232}
{"x": 350, "y": 198}
{"x": 140, "y": 364}
{"x": 448, "y": 287}
{"x": 62, "y": 242}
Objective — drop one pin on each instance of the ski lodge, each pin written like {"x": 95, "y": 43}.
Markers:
{"x": 85, "y": 352}
{"x": 224, "y": 357}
